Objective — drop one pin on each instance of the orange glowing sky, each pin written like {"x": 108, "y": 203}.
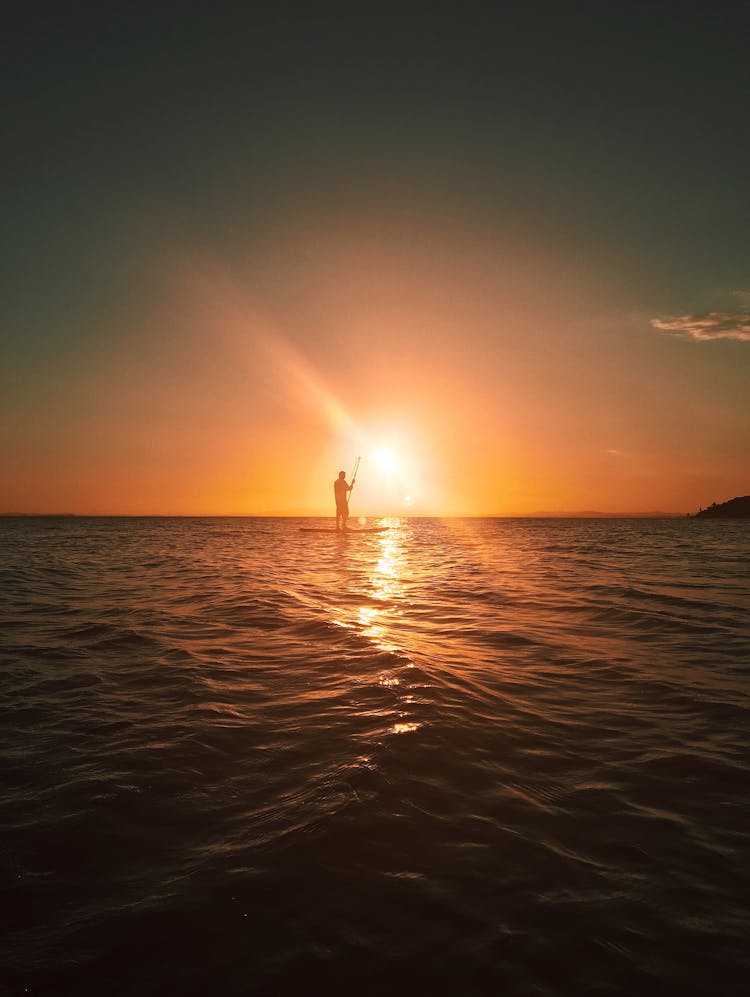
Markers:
{"x": 215, "y": 312}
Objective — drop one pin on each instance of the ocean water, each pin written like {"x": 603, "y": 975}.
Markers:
{"x": 467, "y": 757}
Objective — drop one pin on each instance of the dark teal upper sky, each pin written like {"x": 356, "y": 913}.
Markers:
{"x": 625, "y": 124}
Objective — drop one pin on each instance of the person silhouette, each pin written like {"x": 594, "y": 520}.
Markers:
{"x": 340, "y": 491}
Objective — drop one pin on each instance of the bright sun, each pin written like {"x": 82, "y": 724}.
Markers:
{"x": 386, "y": 460}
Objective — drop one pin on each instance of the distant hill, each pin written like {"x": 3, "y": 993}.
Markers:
{"x": 736, "y": 508}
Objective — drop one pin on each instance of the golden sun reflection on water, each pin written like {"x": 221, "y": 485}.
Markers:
{"x": 388, "y": 579}
{"x": 405, "y": 728}
{"x": 386, "y": 587}
{"x": 384, "y": 573}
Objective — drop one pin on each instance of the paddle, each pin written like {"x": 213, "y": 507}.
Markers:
{"x": 354, "y": 478}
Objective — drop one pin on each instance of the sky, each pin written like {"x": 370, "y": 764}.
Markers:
{"x": 499, "y": 251}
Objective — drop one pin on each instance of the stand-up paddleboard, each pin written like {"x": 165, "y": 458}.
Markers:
{"x": 344, "y": 533}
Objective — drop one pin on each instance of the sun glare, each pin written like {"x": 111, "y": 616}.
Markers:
{"x": 386, "y": 460}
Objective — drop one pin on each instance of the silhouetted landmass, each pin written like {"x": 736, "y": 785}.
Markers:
{"x": 736, "y": 508}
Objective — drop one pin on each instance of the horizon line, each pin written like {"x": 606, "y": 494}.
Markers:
{"x": 544, "y": 514}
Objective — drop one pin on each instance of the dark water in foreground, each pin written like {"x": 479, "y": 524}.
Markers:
{"x": 468, "y": 757}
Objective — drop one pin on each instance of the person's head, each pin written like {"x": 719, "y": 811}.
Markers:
{"x": 342, "y": 474}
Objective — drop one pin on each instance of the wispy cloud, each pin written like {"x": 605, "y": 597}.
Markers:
{"x": 705, "y": 328}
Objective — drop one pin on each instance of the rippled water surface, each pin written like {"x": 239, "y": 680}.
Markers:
{"x": 468, "y": 757}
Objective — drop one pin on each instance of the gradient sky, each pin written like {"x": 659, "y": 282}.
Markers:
{"x": 507, "y": 241}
